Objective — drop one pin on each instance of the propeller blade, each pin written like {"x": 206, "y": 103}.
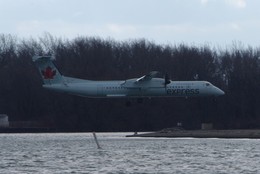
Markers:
{"x": 167, "y": 79}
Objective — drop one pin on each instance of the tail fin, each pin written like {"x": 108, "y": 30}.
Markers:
{"x": 47, "y": 69}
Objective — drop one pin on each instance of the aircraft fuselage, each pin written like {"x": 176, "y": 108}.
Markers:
{"x": 128, "y": 88}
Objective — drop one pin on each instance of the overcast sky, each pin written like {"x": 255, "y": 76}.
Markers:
{"x": 216, "y": 22}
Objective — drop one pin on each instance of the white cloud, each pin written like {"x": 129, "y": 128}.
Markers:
{"x": 121, "y": 29}
{"x": 204, "y": 2}
{"x": 70, "y": 30}
{"x": 28, "y": 26}
{"x": 235, "y": 26}
{"x": 237, "y": 3}
{"x": 181, "y": 28}
{"x": 189, "y": 23}
{"x": 78, "y": 14}
{"x": 221, "y": 33}
{"x": 36, "y": 28}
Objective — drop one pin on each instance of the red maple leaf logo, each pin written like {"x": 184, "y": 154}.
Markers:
{"x": 48, "y": 73}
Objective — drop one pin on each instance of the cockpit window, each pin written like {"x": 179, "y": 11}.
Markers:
{"x": 207, "y": 84}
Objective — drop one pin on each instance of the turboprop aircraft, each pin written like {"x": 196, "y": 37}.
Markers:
{"x": 146, "y": 86}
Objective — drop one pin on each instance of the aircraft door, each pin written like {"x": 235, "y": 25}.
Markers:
{"x": 100, "y": 91}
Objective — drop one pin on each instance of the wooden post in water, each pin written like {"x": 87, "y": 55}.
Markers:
{"x": 95, "y": 138}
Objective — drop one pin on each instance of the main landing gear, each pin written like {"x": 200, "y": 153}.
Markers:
{"x": 138, "y": 100}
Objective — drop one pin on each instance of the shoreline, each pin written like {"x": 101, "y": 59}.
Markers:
{"x": 234, "y": 133}
{"x": 165, "y": 133}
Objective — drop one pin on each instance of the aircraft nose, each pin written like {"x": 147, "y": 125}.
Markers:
{"x": 219, "y": 92}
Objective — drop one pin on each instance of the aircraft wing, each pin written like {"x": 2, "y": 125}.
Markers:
{"x": 147, "y": 77}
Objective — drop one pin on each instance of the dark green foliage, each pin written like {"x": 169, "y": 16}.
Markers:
{"x": 237, "y": 71}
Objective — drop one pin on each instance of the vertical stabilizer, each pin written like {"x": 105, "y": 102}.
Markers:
{"x": 49, "y": 72}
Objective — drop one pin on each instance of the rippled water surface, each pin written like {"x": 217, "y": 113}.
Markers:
{"x": 78, "y": 153}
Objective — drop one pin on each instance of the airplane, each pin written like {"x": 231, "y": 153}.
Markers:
{"x": 147, "y": 86}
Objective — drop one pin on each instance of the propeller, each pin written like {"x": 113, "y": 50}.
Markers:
{"x": 166, "y": 79}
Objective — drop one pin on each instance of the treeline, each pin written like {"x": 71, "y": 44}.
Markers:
{"x": 236, "y": 70}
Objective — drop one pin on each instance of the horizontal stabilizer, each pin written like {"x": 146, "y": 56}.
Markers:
{"x": 37, "y": 58}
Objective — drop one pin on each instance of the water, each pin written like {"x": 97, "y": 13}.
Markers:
{"x": 78, "y": 153}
